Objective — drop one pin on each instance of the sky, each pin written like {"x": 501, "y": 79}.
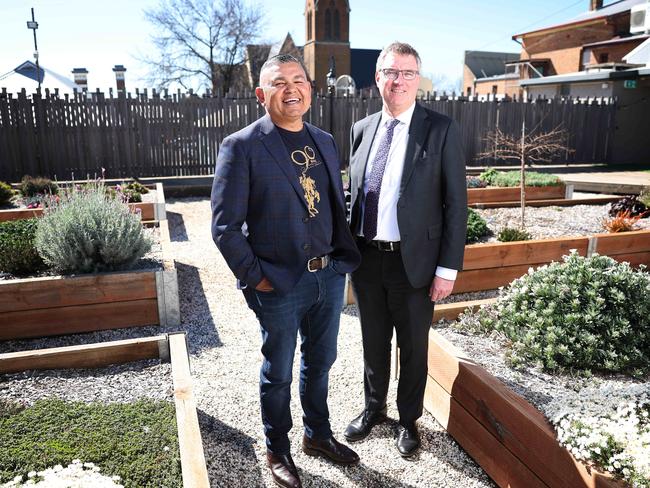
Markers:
{"x": 97, "y": 35}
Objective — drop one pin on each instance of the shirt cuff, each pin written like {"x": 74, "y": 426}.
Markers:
{"x": 446, "y": 273}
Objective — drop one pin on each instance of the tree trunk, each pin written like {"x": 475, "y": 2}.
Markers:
{"x": 522, "y": 183}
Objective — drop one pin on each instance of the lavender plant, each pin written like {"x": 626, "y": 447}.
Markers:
{"x": 87, "y": 231}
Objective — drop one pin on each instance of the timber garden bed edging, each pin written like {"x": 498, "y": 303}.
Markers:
{"x": 494, "y": 194}
{"x": 54, "y": 305}
{"x": 487, "y": 266}
{"x": 511, "y": 440}
{"x": 169, "y": 347}
{"x": 149, "y": 211}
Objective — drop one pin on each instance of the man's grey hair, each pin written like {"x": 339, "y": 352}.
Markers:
{"x": 279, "y": 59}
{"x": 398, "y": 48}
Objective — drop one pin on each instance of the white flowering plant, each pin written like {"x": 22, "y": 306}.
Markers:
{"x": 610, "y": 428}
{"x": 585, "y": 316}
{"x": 580, "y": 315}
{"x": 75, "y": 475}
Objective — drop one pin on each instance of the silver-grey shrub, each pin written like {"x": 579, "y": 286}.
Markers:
{"x": 87, "y": 231}
{"x": 584, "y": 314}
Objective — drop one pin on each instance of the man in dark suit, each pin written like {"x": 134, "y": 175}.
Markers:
{"x": 409, "y": 213}
{"x": 278, "y": 218}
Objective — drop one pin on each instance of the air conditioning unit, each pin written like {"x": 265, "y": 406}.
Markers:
{"x": 640, "y": 18}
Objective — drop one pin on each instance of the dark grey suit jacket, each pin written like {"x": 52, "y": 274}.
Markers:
{"x": 432, "y": 204}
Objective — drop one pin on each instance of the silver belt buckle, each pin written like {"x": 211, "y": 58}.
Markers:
{"x": 323, "y": 263}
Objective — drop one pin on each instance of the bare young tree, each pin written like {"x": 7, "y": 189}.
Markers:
{"x": 201, "y": 43}
{"x": 528, "y": 148}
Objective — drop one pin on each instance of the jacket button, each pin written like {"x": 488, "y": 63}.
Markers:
{"x": 306, "y": 247}
{"x": 305, "y": 219}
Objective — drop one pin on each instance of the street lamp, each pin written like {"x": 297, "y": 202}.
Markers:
{"x": 331, "y": 88}
{"x": 33, "y": 25}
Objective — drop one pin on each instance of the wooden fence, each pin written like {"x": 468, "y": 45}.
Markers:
{"x": 154, "y": 134}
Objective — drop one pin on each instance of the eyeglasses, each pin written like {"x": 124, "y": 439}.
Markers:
{"x": 393, "y": 74}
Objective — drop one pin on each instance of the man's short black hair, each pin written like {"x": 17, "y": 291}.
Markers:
{"x": 279, "y": 59}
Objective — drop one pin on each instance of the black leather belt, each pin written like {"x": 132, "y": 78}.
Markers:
{"x": 316, "y": 264}
{"x": 385, "y": 245}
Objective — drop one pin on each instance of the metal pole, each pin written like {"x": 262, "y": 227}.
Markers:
{"x": 33, "y": 26}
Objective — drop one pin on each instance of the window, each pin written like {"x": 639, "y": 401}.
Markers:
{"x": 603, "y": 58}
{"x": 328, "y": 24}
{"x": 337, "y": 25}
{"x": 495, "y": 89}
{"x": 469, "y": 91}
{"x": 309, "y": 25}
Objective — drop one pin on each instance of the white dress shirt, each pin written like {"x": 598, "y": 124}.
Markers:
{"x": 387, "y": 228}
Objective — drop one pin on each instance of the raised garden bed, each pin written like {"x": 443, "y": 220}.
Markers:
{"x": 172, "y": 347}
{"x": 513, "y": 194}
{"x": 152, "y": 209}
{"x": 54, "y": 305}
{"x": 488, "y": 266}
{"x": 491, "y": 265}
{"x": 511, "y": 440}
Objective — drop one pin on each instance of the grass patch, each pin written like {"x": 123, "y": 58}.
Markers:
{"x": 137, "y": 441}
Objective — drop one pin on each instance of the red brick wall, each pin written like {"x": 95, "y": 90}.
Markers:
{"x": 317, "y": 52}
{"x": 564, "y": 45}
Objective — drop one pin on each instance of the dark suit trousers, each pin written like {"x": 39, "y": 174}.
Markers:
{"x": 386, "y": 299}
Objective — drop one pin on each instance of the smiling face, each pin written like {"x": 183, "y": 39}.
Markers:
{"x": 398, "y": 95}
{"x": 285, "y": 92}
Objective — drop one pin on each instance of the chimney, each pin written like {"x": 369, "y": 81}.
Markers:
{"x": 595, "y": 4}
{"x": 119, "y": 71}
{"x": 81, "y": 78}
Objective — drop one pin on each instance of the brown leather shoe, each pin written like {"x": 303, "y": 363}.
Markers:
{"x": 283, "y": 470}
{"x": 331, "y": 449}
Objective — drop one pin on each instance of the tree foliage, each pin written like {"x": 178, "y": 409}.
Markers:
{"x": 200, "y": 43}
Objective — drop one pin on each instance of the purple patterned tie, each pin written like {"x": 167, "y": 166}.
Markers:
{"x": 374, "y": 182}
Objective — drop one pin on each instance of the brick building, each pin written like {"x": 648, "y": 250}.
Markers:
{"x": 577, "y": 58}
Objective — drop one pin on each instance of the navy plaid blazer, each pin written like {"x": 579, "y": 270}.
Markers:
{"x": 259, "y": 212}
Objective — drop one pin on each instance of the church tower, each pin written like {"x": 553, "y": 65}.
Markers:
{"x": 327, "y": 34}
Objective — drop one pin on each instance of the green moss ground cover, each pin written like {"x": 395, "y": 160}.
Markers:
{"x": 137, "y": 441}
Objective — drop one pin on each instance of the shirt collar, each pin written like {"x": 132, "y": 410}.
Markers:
{"x": 405, "y": 117}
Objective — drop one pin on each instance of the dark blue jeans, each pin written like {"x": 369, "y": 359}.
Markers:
{"x": 312, "y": 309}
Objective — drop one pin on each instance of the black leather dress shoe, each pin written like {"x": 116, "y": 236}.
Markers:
{"x": 361, "y": 426}
{"x": 408, "y": 441}
{"x": 283, "y": 470}
{"x": 331, "y": 449}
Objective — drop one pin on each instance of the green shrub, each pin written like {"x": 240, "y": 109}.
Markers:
{"x": 584, "y": 314}
{"x": 488, "y": 175}
{"x": 137, "y": 187}
{"x": 88, "y": 231}
{"x": 475, "y": 182}
{"x": 510, "y": 234}
{"x": 30, "y": 187}
{"x": 513, "y": 178}
{"x": 6, "y": 193}
{"x": 137, "y": 441}
{"x": 18, "y": 255}
{"x": 476, "y": 226}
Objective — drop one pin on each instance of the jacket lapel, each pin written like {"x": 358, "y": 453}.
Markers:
{"x": 418, "y": 131}
{"x": 363, "y": 153}
{"x": 331, "y": 161}
{"x": 273, "y": 142}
